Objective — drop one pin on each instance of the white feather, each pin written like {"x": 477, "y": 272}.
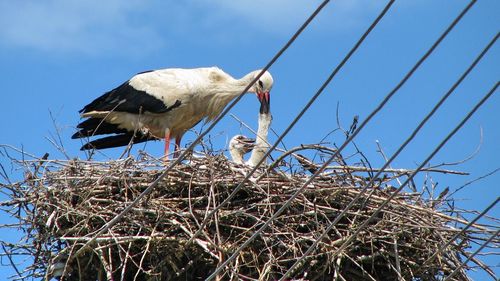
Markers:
{"x": 260, "y": 148}
{"x": 261, "y": 144}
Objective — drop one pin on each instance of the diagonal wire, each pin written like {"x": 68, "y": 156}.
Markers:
{"x": 399, "y": 150}
{"x": 183, "y": 155}
{"x": 297, "y": 118}
{"x": 410, "y": 177}
{"x": 372, "y": 114}
{"x": 443, "y": 247}
{"x": 471, "y": 256}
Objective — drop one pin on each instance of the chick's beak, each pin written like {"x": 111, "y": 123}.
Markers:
{"x": 265, "y": 101}
{"x": 247, "y": 143}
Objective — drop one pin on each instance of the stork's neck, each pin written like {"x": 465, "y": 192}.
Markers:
{"x": 223, "y": 89}
{"x": 236, "y": 155}
{"x": 261, "y": 144}
{"x": 235, "y": 87}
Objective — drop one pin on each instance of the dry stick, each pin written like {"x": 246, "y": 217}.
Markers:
{"x": 311, "y": 101}
{"x": 396, "y": 256}
{"x": 143, "y": 257}
{"x": 471, "y": 256}
{"x": 395, "y": 171}
{"x": 183, "y": 155}
{"x": 363, "y": 270}
{"x": 20, "y": 151}
{"x": 354, "y": 134}
{"x": 352, "y": 168}
{"x": 473, "y": 181}
{"x": 381, "y": 151}
{"x": 383, "y": 204}
{"x": 8, "y": 254}
{"x": 443, "y": 247}
{"x": 483, "y": 266}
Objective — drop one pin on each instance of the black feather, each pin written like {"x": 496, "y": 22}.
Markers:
{"x": 146, "y": 71}
{"x": 96, "y": 126}
{"x": 118, "y": 140}
{"x": 126, "y": 98}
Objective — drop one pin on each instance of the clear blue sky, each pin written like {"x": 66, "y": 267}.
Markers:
{"x": 56, "y": 56}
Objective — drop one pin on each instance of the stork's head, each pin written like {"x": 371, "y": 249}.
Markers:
{"x": 240, "y": 145}
{"x": 262, "y": 88}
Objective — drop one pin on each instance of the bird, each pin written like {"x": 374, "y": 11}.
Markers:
{"x": 163, "y": 104}
{"x": 240, "y": 144}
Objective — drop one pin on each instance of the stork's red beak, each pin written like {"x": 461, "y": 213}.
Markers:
{"x": 265, "y": 102}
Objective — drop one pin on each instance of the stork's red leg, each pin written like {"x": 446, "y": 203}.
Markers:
{"x": 167, "y": 144}
{"x": 177, "y": 147}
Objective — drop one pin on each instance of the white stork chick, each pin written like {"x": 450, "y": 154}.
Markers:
{"x": 163, "y": 104}
{"x": 261, "y": 144}
{"x": 240, "y": 145}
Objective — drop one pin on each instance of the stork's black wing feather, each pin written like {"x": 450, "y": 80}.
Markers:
{"x": 126, "y": 98}
{"x": 118, "y": 140}
{"x": 96, "y": 126}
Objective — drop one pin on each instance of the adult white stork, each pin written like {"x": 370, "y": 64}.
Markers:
{"x": 163, "y": 104}
{"x": 240, "y": 145}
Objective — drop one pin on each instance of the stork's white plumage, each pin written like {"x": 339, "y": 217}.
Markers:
{"x": 240, "y": 145}
{"x": 261, "y": 144}
{"x": 163, "y": 104}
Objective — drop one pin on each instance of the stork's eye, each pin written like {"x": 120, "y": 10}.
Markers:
{"x": 261, "y": 84}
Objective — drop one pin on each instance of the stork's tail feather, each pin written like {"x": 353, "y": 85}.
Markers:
{"x": 96, "y": 126}
{"x": 118, "y": 140}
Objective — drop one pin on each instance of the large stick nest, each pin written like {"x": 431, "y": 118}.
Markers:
{"x": 60, "y": 204}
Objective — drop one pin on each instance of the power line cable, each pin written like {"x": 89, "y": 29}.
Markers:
{"x": 297, "y": 118}
{"x": 183, "y": 155}
{"x": 471, "y": 256}
{"x": 452, "y": 239}
{"x": 398, "y": 151}
{"x": 351, "y": 137}
{"x": 410, "y": 177}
